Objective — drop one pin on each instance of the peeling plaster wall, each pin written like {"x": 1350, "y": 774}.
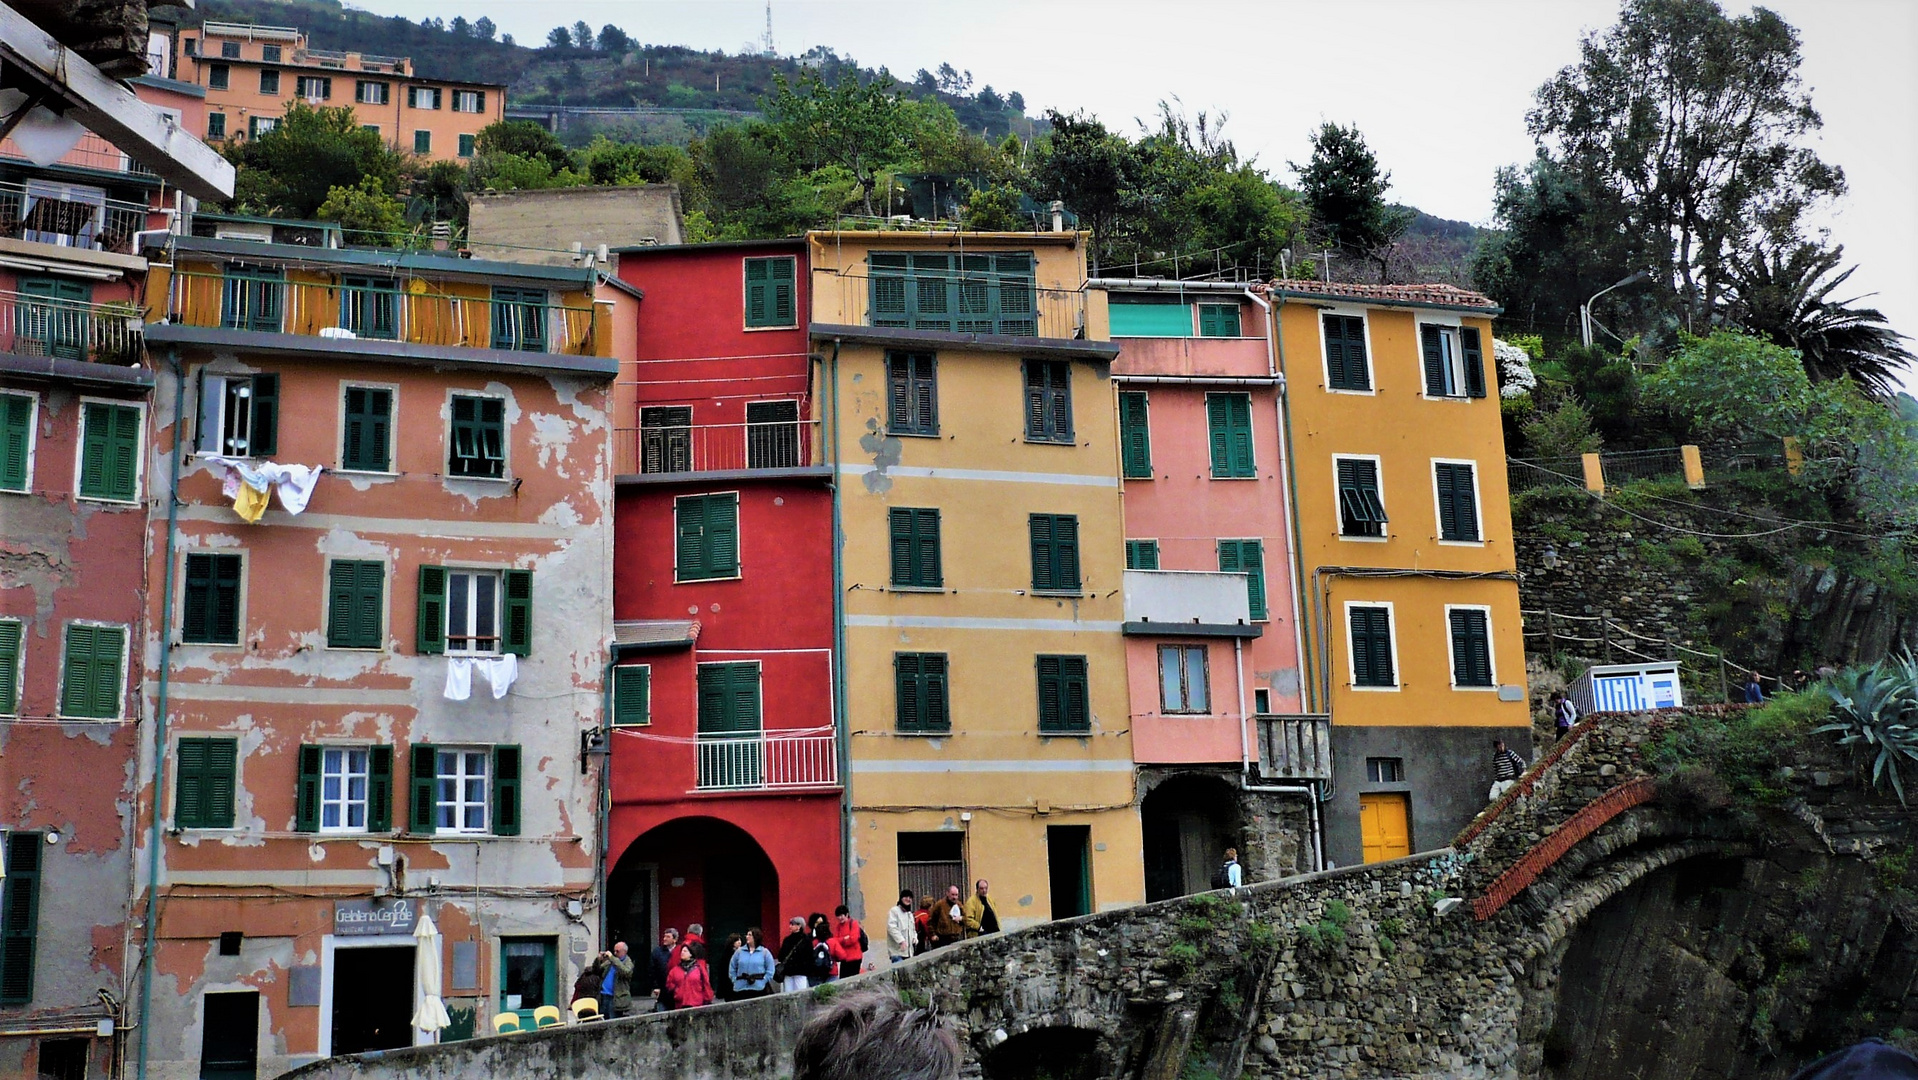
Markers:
{"x": 281, "y": 687}
{"x": 65, "y": 559}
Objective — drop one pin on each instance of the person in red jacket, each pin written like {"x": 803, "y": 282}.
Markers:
{"x": 848, "y": 942}
{"x": 689, "y": 981}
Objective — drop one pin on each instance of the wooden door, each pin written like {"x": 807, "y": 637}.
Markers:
{"x": 1385, "y": 825}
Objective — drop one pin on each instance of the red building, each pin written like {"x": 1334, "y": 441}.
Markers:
{"x": 726, "y": 782}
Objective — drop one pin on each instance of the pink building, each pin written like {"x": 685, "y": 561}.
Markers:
{"x": 1212, "y": 643}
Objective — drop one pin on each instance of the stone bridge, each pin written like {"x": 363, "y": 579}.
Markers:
{"x": 1593, "y": 913}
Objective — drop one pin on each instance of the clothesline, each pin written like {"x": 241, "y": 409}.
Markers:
{"x": 780, "y": 734}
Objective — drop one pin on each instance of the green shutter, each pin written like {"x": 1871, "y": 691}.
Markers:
{"x": 900, "y": 523}
{"x": 785, "y": 291}
{"x": 91, "y": 682}
{"x": 205, "y": 772}
{"x": 306, "y": 797}
{"x": 20, "y": 916}
{"x": 1229, "y": 424}
{"x": 1065, "y": 539}
{"x": 506, "y": 789}
{"x": 1247, "y": 557}
{"x": 758, "y": 292}
{"x": 689, "y": 543}
{"x": 354, "y": 604}
{"x": 915, "y": 548}
{"x": 1371, "y": 629}
{"x": 430, "y": 626}
{"x": 1218, "y": 320}
{"x": 729, "y": 699}
{"x": 76, "y": 673}
{"x": 632, "y": 695}
{"x": 1474, "y": 361}
{"x": 1471, "y": 649}
{"x": 367, "y": 435}
{"x": 1447, "y": 511}
{"x": 908, "y": 708}
{"x": 379, "y": 789}
{"x": 424, "y": 811}
{"x": 1457, "y": 502}
{"x": 109, "y": 451}
{"x": 1135, "y": 435}
{"x": 10, "y": 667}
{"x": 196, "y": 608}
{"x": 211, "y": 608}
{"x": 1141, "y": 554}
{"x": 1432, "y": 348}
{"x": 16, "y": 440}
{"x": 263, "y": 439}
{"x": 922, "y": 703}
{"x": 1063, "y": 695}
{"x": 1345, "y": 359}
{"x": 518, "y": 636}
{"x": 707, "y": 537}
{"x": 1043, "y": 557}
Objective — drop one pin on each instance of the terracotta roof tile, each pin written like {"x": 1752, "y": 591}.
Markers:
{"x": 1443, "y": 295}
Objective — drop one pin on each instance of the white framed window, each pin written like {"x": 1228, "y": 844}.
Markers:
{"x": 373, "y": 93}
{"x": 1456, "y": 502}
{"x": 1444, "y": 368}
{"x": 239, "y": 415}
{"x": 19, "y": 436}
{"x": 1358, "y": 497}
{"x": 315, "y": 87}
{"x": 1183, "y": 686}
{"x": 1469, "y": 632}
{"x": 344, "y": 776}
{"x": 469, "y": 101}
{"x": 260, "y": 125}
{"x": 423, "y": 97}
{"x": 472, "y": 612}
{"x": 1371, "y": 645}
{"x": 1345, "y": 351}
{"x": 462, "y": 780}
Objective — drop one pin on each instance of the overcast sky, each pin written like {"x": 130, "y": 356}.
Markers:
{"x": 1439, "y": 87}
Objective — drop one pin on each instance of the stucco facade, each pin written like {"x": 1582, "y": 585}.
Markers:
{"x": 461, "y": 524}
{"x": 1034, "y": 795}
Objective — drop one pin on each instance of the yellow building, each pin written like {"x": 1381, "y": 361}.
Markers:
{"x": 1405, "y": 556}
{"x": 970, "y": 420}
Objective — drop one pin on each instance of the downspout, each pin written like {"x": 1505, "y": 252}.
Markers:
{"x": 151, "y": 933}
{"x": 605, "y": 785}
{"x": 844, "y": 739}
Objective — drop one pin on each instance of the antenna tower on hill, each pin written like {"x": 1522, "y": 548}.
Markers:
{"x": 766, "y": 44}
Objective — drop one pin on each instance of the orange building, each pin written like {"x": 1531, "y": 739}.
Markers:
{"x": 251, "y": 72}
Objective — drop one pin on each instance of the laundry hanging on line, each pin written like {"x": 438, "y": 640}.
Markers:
{"x": 498, "y": 671}
{"x": 248, "y": 484}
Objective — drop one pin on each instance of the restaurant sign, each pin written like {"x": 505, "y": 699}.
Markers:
{"x": 364, "y": 918}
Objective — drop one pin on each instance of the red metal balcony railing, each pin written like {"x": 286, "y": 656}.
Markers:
{"x": 695, "y": 448}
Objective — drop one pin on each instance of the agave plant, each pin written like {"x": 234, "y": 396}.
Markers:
{"x": 1877, "y": 707}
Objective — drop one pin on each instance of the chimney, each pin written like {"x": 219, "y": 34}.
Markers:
{"x": 1058, "y": 216}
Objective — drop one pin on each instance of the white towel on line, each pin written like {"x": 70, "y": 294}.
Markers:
{"x": 498, "y": 671}
{"x": 459, "y": 678}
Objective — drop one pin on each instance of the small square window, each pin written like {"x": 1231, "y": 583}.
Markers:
{"x": 1262, "y": 701}
{"x": 1385, "y": 770}
{"x": 270, "y": 82}
{"x": 422, "y": 142}
{"x": 467, "y": 144}
{"x": 230, "y": 942}
{"x": 1141, "y": 554}
{"x": 478, "y": 437}
{"x": 1182, "y": 679}
{"x": 216, "y": 125}
{"x": 270, "y": 53}
{"x": 218, "y": 76}
{"x": 229, "y": 50}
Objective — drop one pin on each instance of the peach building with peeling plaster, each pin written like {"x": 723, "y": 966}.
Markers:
{"x": 319, "y": 791}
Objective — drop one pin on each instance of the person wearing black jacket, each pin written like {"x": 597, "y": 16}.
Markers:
{"x": 659, "y": 964}
{"x": 795, "y": 956}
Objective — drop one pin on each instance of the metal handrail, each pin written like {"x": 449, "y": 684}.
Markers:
{"x": 767, "y": 760}
{"x": 695, "y": 448}
{"x": 109, "y": 226}
{"x": 33, "y": 325}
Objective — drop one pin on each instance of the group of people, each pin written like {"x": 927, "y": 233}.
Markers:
{"x": 935, "y": 923}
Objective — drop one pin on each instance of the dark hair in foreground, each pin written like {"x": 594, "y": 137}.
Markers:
{"x": 875, "y": 1036}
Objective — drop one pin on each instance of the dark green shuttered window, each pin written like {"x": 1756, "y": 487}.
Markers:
{"x": 1457, "y": 501}
{"x": 516, "y": 634}
{"x": 1141, "y": 554}
{"x": 912, "y": 397}
{"x": 370, "y": 306}
{"x": 109, "y": 451}
{"x": 1135, "y": 435}
{"x": 379, "y": 788}
{"x": 921, "y": 703}
{"x": 1473, "y": 358}
{"x": 706, "y": 541}
{"x": 204, "y": 775}
{"x": 355, "y": 603}
{"x": 1228, "y": 420}
{"x": 252, "y": 299}
{"x": 1055, "y": 552}
{"x": 1471, "y": 648}
{"x": 10, "y": 649}
{"x": 1372, "y": 646}
{"x": 91, "y": 682}
{"x": 632, "y": 695}
{"x": 16, "y": 440}
{"x": 915, "y": 548}
{"x": 210, "y": 611}
{"x": 1247, "y": 557}
{"x": 967, "y": 294}
{"x": 728, "y": 699}
{"x": 1048, "y": 401}
{"x": 20, "y": 916}
{"x": 366, "y": 444}
{"x": 52, "y": 329}
{"x": 519, "y": 319}
{"x": 423, "y": 809}
{"x": 771, "y": 292}
{"x": 1218, "y": 320}
{"x": 506, "y": 790}
{"x": 1346, "y": 365}
{"x": 479, "y": 437}
{"x": 1449, "y": 375}
{"x": 1064, "y": 708}
{"x": 1361, "y": 509}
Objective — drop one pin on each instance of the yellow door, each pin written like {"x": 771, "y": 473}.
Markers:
{"x": 1385, "y": 825}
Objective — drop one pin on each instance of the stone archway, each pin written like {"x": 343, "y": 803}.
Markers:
{"x": 1048, "y": 1053}
{"x": 688, "y": 870}
{"x": 1188, "y": 821}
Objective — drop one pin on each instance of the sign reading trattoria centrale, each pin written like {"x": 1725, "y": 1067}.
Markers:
{"x": 363, "y": 918}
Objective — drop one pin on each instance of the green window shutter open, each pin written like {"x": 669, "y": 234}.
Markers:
{"x": 1471, "y": 649}
{"x": 1347, "y": 366}
{"x": 912, "y": 400}
{"x": 506, "y": 789}
{"x": 1473, "y": 358}
{"x": 1247, "y": 557}
{"x": 1218, "y": 320}
{"x": 1141, "y": 554}
{"x": 306, "y": 797}
{"x": 205, "y": 771}
{"x": 916, "y": 560}
{"x": 518, "y": 636}
{"x": 20, "y": 916}
{"x": 1438, "y": 381}
{"x": 1063, "y": 695}
{"x": 355, "y": 602}
{"x": 430, "y": 627}
{"x": 423, "y": 816}
{"x": 632, "y": 695}
{"x": 1361, "y": 508}
{"x": 921, "y": 701}
{"x": 91, "y": 681}
{"x": 368, "y": 429}
{"x": 265, "y": 438}
{"x": 16, "y": 439}
{"x": 379, "y": 789}
{"x": 1135, "y": 435}
{"x": 1048, "y": 400}
{"x": 1229, "y": 424}
{"x": 10, "y": 642}
{"x": 1371, "y": 629}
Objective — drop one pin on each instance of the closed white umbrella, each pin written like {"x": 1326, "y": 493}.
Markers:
{"x": 429, "y": 1013}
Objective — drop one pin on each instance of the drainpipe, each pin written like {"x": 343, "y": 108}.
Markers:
{"x": 604, "y": 791}
{"x": 149, "y": 938}
{"x": 844, "y": 739}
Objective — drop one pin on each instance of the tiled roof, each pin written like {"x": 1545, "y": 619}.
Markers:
{"x": 1441, "y": 295}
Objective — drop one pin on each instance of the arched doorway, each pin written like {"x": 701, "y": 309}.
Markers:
{"x": 1047, "y": 1053}
{"x": 1188, "y": 821}
{"x": 691, "y": 870}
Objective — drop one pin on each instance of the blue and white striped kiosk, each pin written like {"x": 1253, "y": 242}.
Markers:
{"x": 1628, "y": 688}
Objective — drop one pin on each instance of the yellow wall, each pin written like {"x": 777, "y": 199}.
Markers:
{"x": 985, "y": 479}
{"x": 1406, "y": 431}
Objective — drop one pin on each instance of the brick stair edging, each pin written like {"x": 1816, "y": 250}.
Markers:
{"x": 1540, "y": 857}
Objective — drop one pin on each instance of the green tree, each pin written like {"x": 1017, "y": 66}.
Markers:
{"x": 1785, "y": 296}
{"x": 559, "y": 38}
{"x": 582, "y": 35}
{"x": 1095, "y": 173}
{"x": 1345, "y": 189}
{"x": 1693, "y": 121}
{"x": 607, "y": 162}
{"x": 1555, "y": 244}
{"x": 614, "y": 40}
{"x": 858, "y": 127}
{"x": 367, "y": 212}
{"x": 290, "y": 170}
{"x": 525, "y": 139}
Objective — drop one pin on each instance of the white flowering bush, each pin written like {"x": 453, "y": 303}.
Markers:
{"x": 1515, "y": 375}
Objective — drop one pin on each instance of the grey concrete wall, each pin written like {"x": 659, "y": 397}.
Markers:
{"x": 540, "y": 226}
{"x": 1448, "y": 773}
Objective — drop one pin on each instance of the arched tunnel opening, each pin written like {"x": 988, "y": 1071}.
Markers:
{"x": 1049, "y": 1053}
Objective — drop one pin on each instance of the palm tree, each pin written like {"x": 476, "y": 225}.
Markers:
{"x": 1786, "y": 297}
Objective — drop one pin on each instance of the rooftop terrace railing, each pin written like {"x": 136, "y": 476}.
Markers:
{"x": 665, "y": 448}
{"x": 36, "y": 325}
{"x": 37, "y": 213}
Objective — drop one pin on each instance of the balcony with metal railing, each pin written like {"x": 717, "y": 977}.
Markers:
{"x": 381, "y": 311}
{"x": 953, "y": 303}
{"x": 45, "y": 326}
{"x": 672, "y": 451}
{"x": 69, "y": 216}
{"x": 768, "y": 760}
{"x": 1295, "y": 747}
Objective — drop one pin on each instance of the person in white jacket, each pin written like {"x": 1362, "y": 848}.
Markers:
{"x": 900, "y": 929}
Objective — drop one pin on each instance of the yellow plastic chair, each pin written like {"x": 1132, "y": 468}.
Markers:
{"x": 585, "y": 1009}
{"x": 546, "y": 1016}
{"x": 505, "y": 1023}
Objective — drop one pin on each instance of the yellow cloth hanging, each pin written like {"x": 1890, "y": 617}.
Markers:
{"x": 250, "y": 504}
